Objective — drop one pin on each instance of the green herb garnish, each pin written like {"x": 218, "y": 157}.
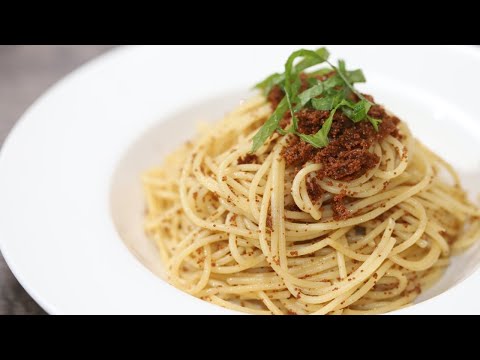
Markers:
{"x": 325, "y": 103}
{"x": 356, "y": 112}
{"x": 270, "y": 125}
{"x": 320, "y": 139}
{"x": 374, "y": 122}
{"x": 332, "y": 95}
{"x": 279, "y": 79}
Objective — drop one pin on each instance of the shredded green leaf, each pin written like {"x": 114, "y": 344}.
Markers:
{"x": 311, "y": 58}
{"x": 356, "y": 112}
{"x": 320, "y": 56}
{"x": 352, "y": 77}
{"x": 375, "y": 122}
{"x": 321, "y": 72}
{"x": 326, "y": 103}
{"x": 333, "y": 94}
{"x": 310, "y": 94}
{"x": 342, "y": 73}
{"x": 356, "y": 76}
{"x": 270, "y": 126}
{"x": 320, "y": 139}
{"x": 271, "y": 81}
{"x": 288, "y": 96}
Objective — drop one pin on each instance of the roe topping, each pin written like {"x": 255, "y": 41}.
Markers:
{"x": 340, "y": 211}
{"x": 248, "y": 159}
{"x": 347, "y": 157}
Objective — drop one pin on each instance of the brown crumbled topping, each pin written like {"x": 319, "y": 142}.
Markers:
{"x": 314, "y": 190}
{"x": 298, "y": 152}
{"x": 340, "y": 211}
{"x": 275, "y": 96}
{"x": 309, "y": 120}
{"x": 286, "y": 120}
{"x": 248, "y": 159}
{"x": 347, "y": 157}
{"x": 269, "y": 223}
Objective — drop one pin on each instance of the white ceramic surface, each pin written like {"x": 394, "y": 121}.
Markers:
{"x": 69, "y": 172}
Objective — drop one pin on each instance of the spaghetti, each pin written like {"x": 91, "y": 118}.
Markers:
{"x": 247, "y": 232}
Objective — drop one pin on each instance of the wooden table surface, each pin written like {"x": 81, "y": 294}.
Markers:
{"x": 25, "y": 73}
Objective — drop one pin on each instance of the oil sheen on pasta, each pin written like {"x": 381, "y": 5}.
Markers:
{"x": 266, "y": 233}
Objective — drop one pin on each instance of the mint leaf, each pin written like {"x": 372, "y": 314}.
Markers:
{"x": 310, "y": 94}
{"x": 356, "y": 76}
{"x": 330, "y": 101}
{"x": 332, "y": 83}
{"x": 342, "y": 67}
{"x": 332, "y": 95}
{"x": 320, "y": 72}
{"x": 320, "y": 139}
{"x": 343, "y": 74}
{"x": 311, "y": 58}
{"x": 271, "y": 81}
{"x": 313, "y": 82}
{"x": 270, "y": 126}
{"x": 321, "y": 55}
{"x": 375, "y": 122}
{"x": 326, "y": 103}
{"x": 356, "y": 112}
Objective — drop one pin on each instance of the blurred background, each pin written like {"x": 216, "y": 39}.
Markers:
{"x": 25, "y": 73}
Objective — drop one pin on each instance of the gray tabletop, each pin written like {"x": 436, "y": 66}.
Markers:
{"x": 25, "y": 73}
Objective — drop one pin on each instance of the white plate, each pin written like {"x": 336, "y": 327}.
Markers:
{"x": 69, "y": 172}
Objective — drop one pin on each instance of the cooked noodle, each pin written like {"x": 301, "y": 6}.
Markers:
{"x": 226, "y": 235}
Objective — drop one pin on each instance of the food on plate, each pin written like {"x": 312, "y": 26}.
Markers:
{"x": 309, "y": 198}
